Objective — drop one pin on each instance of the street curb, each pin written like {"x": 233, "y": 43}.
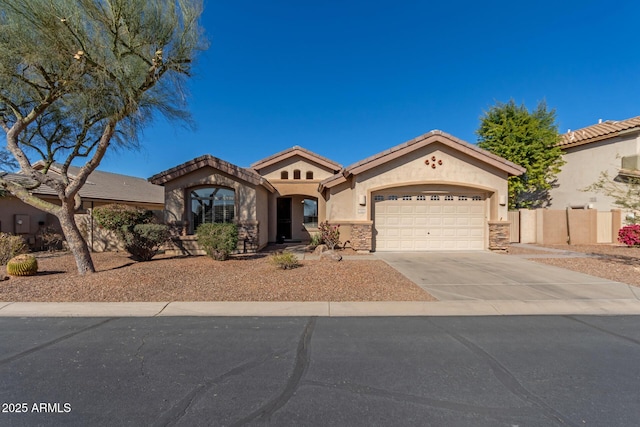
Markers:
{"x": 322, "y": 309}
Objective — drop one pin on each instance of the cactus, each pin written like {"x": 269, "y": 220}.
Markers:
{"x": 22, "y": 265}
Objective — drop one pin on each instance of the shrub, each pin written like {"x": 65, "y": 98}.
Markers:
{"x": 284, "y": 260}
{"x": 218, "y": 240}
{"x": 115, "y": 217}
{"x": 144, "y": 240}
{"x": 330, "y": 234}
{"x": 11, "y": 246}
{"x": 51, "y": 239}
{"x": 629, "y": 235}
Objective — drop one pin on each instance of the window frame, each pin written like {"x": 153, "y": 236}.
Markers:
{"x": 210, "y": 218}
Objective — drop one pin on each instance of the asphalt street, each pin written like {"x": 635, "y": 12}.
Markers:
{"x": 300, "y": 371}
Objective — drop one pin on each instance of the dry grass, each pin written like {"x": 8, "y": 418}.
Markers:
{"x": 251, "y": 278}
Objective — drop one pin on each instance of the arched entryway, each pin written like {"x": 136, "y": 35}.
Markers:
{"x": 296, "y": 217}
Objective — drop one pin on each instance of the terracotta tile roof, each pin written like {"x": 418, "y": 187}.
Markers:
{"x": 247, "y": 175}
{"x": 293, "y": 151}
{"x": 598, "y": 132}
{"x": 106, "y": 186}
{"x": 421, "y": 141}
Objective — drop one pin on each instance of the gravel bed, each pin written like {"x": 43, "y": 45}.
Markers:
{"x": 612, "y": 262}
{"x": 248, "y": 278}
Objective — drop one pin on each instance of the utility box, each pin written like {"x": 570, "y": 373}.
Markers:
{"x": 21, "y": 224}
{"x": 631, "y": 163}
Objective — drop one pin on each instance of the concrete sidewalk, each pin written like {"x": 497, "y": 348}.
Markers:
{"x": 323, "y": 309}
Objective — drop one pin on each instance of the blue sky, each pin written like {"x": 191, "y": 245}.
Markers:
{"x": 348, "y": 79}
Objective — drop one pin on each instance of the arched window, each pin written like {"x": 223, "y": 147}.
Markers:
{"x": 284, "y": 175}
{"x": 296, "y": 174}
{"x": 212, "y": 205}
{"x": 309, "y": 175}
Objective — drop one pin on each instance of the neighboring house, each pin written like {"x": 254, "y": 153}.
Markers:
{"x": 610, "y": 146}
{"x": 435, "y": 192}
{"x": 101, "y": 188}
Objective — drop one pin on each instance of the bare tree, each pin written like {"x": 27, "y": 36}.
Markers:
{"x": 78, "y": 76}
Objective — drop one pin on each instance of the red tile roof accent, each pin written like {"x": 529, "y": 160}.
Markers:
{"x": 599, "y": 132}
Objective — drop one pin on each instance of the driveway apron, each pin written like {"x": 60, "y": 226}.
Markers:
{"x": 451, "y": 276}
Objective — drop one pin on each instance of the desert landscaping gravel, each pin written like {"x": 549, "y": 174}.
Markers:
{"x": 199, "y": 278}
{"x": 612, "y": 262}
{"x": 254, "y": 278}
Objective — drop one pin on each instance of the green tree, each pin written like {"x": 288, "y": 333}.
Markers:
{"x": 529, "y": 139}
{"x": 78, "y": 76}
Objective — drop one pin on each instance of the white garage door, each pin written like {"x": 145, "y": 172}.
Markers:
{"x": 424, "y": 222}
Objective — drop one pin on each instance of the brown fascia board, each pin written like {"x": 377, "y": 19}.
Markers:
{"x": 419, "y": 142}
{"x": 332, "y": 181}
{"x": 214, "y": 162}
{"x": 296, "y": 150}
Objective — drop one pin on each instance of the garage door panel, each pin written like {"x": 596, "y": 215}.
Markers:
{"x": 449, "y": 221}
{"x": 417, "y": 223}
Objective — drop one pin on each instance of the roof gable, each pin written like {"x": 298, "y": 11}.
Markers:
{"x": 599, "y": 132}
{"x": 417, "y": 143}
{"x": 246, "y": 175}
{"x": 297, "y": 151}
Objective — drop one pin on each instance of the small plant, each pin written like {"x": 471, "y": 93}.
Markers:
{"x": 22, "y": 265}
{"x": 144, "y": 240}
{"x": 51, "y": 239}
{"x": 629, "y": 235}
{"x": 218, "y": 240}
{"x": 11, "y": 246}
{"x": 316, "y": 239}
{"x": 330, "y": 234}
{"x": 284, "y": 260}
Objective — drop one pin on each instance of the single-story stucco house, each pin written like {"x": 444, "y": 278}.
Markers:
{"x": 101, "y": 188}
{"x": 435, "y": 192}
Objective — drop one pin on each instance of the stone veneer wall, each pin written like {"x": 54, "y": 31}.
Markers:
{"x": 182, "y": 244}
{"x": 361, "y": 235}
{"x": 499, "y": 235}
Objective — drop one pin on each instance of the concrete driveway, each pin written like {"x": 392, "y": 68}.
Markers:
{"x": 451, "y": 276}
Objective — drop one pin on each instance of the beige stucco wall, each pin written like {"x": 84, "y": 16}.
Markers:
{"x": 298, "y": 190}
{"x": 11, "y": 206}
{"x": 272, "y": 172}
{"x": 457, "y": 170}
{"x": 583, "y": 167}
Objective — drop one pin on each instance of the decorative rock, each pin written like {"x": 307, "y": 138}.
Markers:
{"x": 320, "y": 249}
{"x": 331, "y": 256}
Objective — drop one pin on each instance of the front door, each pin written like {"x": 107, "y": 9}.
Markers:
{"x": 284, "y": 218}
